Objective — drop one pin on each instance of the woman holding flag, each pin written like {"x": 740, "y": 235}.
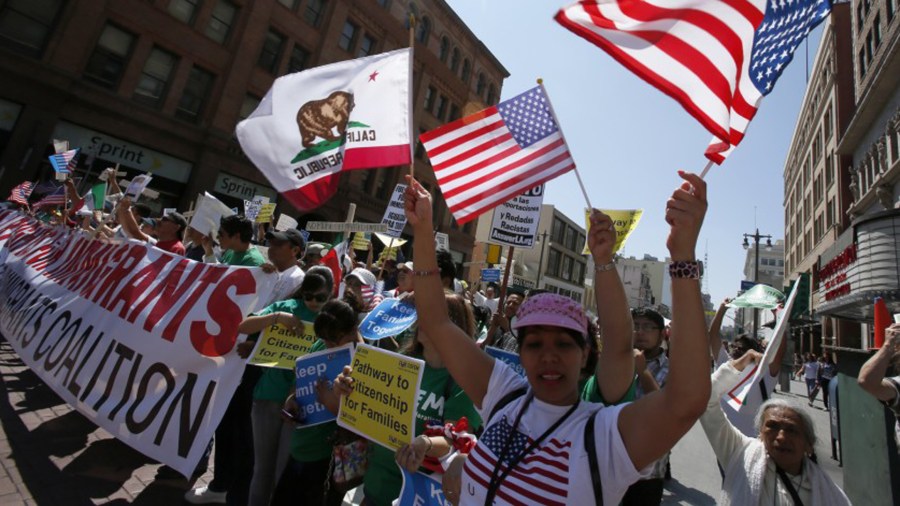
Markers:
{"x": 541, "y": 444}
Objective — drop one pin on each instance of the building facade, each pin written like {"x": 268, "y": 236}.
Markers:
{"x": 159, "y": 85}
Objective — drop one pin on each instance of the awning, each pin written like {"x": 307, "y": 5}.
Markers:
{"x": 860, "y": 306}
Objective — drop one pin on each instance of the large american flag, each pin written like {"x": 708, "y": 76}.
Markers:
{"x": 489, "y": 157}
{"x": 542, "y": 477}
{"x": 20, "y": 193}
{"x": 717, "y": 58}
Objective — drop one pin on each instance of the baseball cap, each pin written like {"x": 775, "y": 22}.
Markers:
{"x": 552, "y": 310}
{"x": 315, "y": 249}
{"x": 363, "y": 275}
{"x": 176, "y": 218}
{"x": 405, "y": 265}
{"x": 291, "y": 235}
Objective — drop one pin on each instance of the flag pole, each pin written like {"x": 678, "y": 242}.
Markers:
{"x": 709, "y": 165}
{"x": 412, "y": 114}
{"x": 381, "y": 270}
{"x": 587, "y": 199}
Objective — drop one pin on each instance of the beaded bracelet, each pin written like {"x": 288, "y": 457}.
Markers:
{"x": 605, "y": 267}
{"x": 430, "y": 272}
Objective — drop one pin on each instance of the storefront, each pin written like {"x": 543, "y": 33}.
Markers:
{"x": 233, "y": 190}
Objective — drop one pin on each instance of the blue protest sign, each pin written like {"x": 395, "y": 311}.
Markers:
{"x": 309, "y": 368}
{"x": 421, "y": 490}
{"x": 510, "y": 358}
{"x": 490, "y": 275}
{"x": 388, "y": 319}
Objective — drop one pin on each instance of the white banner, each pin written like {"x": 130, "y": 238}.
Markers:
{"x": 138, "y": 340}
{"x": 515, "y": 222}
{"x": 394, "y": 215}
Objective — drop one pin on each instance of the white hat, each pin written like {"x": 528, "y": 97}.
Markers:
{"x": 363, "y": 275}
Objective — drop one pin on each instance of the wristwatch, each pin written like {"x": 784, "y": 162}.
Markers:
{"x": 687, "y": 269}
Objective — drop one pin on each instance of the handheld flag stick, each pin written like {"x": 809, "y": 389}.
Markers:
{"x": 493, "y": 328}
{"x": 587, "y": 200}
{"x": 412, "y": 138}
{"x": 381, "y": 270}
{"x": 709, "y": 165}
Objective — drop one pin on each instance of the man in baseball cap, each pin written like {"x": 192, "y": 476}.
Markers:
{"x": 285, "y": 248}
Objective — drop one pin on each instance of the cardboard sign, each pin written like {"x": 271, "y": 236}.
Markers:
{"x": 279, "y": 346}
{"x": 441, "y": 241}
{"x": 490, "y": 275}
{"x": 394, "y": 214}
{"x": 420, "y": 490}
{"x": 137, "y": 185}
{"x": 361, "y": 240}
{"x": 510, "y": 358}
{"x": 382, "y": 407}
{"x": 252, "y": 207}
{"x": 309, "y": 369}
{"x": 285, "y": 222}
{"x": 515, "y": 223}
{"x": 266, "y": 211}
{"x": 625, "y": 222}
{"x": 343, "y": 226}
{"x": 388, "y": 319}
{"x": 207, "y": 214}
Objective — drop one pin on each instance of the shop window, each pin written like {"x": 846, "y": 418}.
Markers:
{"x": 445, "y": 49}
{"x": 110, "y": 56}
{"x": 196, "y": 92}
{"x": 154, "y": 82}
{"x": 423, "y": 30}
{"x": 299, "y": 59}
{"x": 441, "y": 107}
{"x": 27, "y": 25}
{"x": 552, "y": 262}
{"x": 270, "y": 55}
{"x": 315, "y": 9}
{"x": 183, "y": 10}
{"x": 430, "y": 94}
{"x": 366, "y": 46}
{"x": 348, "y": 36}
{"x": 220, "y": 21}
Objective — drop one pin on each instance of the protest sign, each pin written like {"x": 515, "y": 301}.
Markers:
{"x": 207, "y": 214}
{"x": 279, "y": 346}
{"x": 252, "y": 207}
{"x": 516, "y": 221}
{"x": 382, "y": 406}
{"x": 441, "y": 241}
{"x": 169, "y": 210}
{"x": 625, "y": 222}
{"x": 390, "y": 241}
{"x": 285, "y": 222}
{"x": 265, "y": 213}
{"x": 490, "y": 275}
{"x": 136, "y": 339}
{"x": 511, "y": 359}
{"x": 60, "y": 146}
{"x": 137, "y": 185}
{"x": 325, "y": 364}
{"x": 394, "y": 215}
{"x": 389, "y": 318}
{"x": 420, "y": 490}
{"x": 361, "y": 240}
{"x": 760, "y": 296}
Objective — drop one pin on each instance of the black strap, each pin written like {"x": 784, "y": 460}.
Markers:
{"x": 592, "y": 459}
{"x": 789, "y": 486}
{"x": 504, "y": 401}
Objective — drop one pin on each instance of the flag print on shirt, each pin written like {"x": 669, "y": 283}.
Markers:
{"x": 541, "y": 477}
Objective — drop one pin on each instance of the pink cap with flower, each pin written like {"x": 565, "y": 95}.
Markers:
{"x": 552, "y": 310}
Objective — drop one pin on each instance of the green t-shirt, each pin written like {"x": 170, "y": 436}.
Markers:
{"x": 383, "y": 479}
{"x": 591, "y": 392}
{"x": 312, "y": 444}
{"x": 250, "y": 258}
{"x": 275, "y": 384}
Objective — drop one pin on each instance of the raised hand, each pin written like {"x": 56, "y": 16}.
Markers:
{"x": 685, "y": 211}
{"x": 601, "y": 238}
{"x": 418, "y": 203}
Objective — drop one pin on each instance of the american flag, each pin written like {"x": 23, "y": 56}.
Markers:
{"x": 489, "y": 157}
{"x": 57, "y": 198}
{"x": 65, "y": 162}
{"x": 717, "y": 58}
{"x": 20, "y": 193}
{"x": 541, "y": 477}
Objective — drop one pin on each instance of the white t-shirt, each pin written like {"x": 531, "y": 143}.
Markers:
{"x": 288, "y": 281}
{"x": 557, "y": 471}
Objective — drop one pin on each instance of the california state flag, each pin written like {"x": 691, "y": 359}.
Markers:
{"x": 313, "y": 124}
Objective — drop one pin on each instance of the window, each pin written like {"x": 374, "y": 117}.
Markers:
{"x": 566, "y": 272}
{"x": 441, "y": 107}
{"x": 152, "y": 86}
{"x": 826, "y": 123}
{"x": 420, "y": 148}
{"x": 445, "y": 49}
{"x": 819, "y": 228}
{"x": 571, "y": 238}
{"x": 558, "y": 231}
{"x": 314, "y": 11}
{"x": 816, "y": 149}
{"x": 578, "y": 273}
{"x": 876, "y": 30}
{"x": 366, "y": 46}
{"x": 423, "y": 30}
{"x": 248, "y": 106}
{"x": 183, "y": 10}
{"x": 196, "y": 91}
{"x": 107, "y": 63}
{"x": 480, "y": 84}
{"x": 492, "y": 95}
{"x": 430, "y": 95}
{"x": 270, "y": 56}
{"x": 859, "y": 17}
{"x": 817, "y": 190}
{"x": 454, "y": 61}
{"x": 290, "y": 4}
{"x": 890, "y": 8}
{"x": 552, "y": 262}
{"x": 454, "y": 113}
{"x": 466, "y": 71}
{"x": 299, "y": 59}
{"x": 348, "y": 36}
{"x": 862, "y": 62}
{"x": 26, "y": 25}
{"x": 829, "y": 213}
{"x": 220, "y": 22}
{"x": 829, "y": 170}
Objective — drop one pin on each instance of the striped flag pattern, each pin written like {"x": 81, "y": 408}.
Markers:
{"x": 489, "y": 157}
{"x": 56, "y": 198}
{"x": 65, "y": 162}
{"x": 20, "y": 193}
{"x": 542, "y": 477}
{"x": 717, "y": 58}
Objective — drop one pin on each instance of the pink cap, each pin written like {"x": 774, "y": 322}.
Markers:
{"x": 552, "y": 310}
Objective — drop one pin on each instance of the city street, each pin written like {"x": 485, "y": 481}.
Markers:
{"x": 51, "y": 455}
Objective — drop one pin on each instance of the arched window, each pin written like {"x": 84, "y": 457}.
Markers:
{"x": 479, "y": 85}
{"x": 445, "y": 49}
{"x": 492, "y": 94}
{"x": 423, "y": 29}
{"x": 466, "y": 71}
{"x": 454, "y": 61}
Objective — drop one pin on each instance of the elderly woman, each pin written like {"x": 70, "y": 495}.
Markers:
{"x": 775, "y": 468}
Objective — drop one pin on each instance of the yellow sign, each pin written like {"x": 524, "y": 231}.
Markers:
{"x": 493, "y": 254}
{"x": 265, "y": 213}
{"x": 388, "y": 254}
{"x": 279, "y": 347}
{"x": 382, "y": 407}
{"x": 361, "y": 240}
{"x": 625, "y": 221}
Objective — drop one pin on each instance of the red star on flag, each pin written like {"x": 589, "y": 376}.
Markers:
{"x": 372, "y": 76}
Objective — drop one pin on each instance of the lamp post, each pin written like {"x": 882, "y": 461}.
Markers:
{"x": 543, "y": 241}
{"x": 756, "y": 237}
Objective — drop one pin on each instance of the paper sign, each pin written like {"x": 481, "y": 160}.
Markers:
{"x": 169, "y": 210}
{"x": 279, "y": 346}
{"x": 382, "y": 407}
{"x": 490, "y": 275}
{"x": 625, "y": 222}
{"x": 309, "y": 369}
{"x": 394, "y": 215}
{"x": 388, "y": 319}
{"x": 388, "y": 254}
{"x": 390, "y": 241}
{"x": 136, "y": 186}
{"x": 441, "y": 241}
{"x": 515, "y": 223}
{"x": 285, "y": 222}
{"x": 361, "y": 240}
{"x": 511, "y": 359}
{"x": 207, "y": 214}
{"x": 252, "y": 207}
{"x": 420, "y": 490}
{"x": 60, "y": 146}
{"x": 265, "y": 213}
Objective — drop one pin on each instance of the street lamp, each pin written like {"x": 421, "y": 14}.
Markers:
{"x": 756, "y": 237}
{"x": 541, "y": 258}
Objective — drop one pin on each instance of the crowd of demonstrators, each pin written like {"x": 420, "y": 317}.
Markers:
{"x": 875, "y": 376}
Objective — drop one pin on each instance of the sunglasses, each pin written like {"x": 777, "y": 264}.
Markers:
{"x": 318, "y": 297}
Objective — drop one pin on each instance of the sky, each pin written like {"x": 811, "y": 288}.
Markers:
{"x": 629, "y": 139}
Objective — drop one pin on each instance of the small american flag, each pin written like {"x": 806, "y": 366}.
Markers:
{"x": 541, "y": 477}
{"x": 489, "y": 157}
{"x": 20, "y": 193}
{"x": 371, "y": 296}
{"x": 717, "y": 58}
{"x": 65, "y": 162}
{"x": 57, "y": 198}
